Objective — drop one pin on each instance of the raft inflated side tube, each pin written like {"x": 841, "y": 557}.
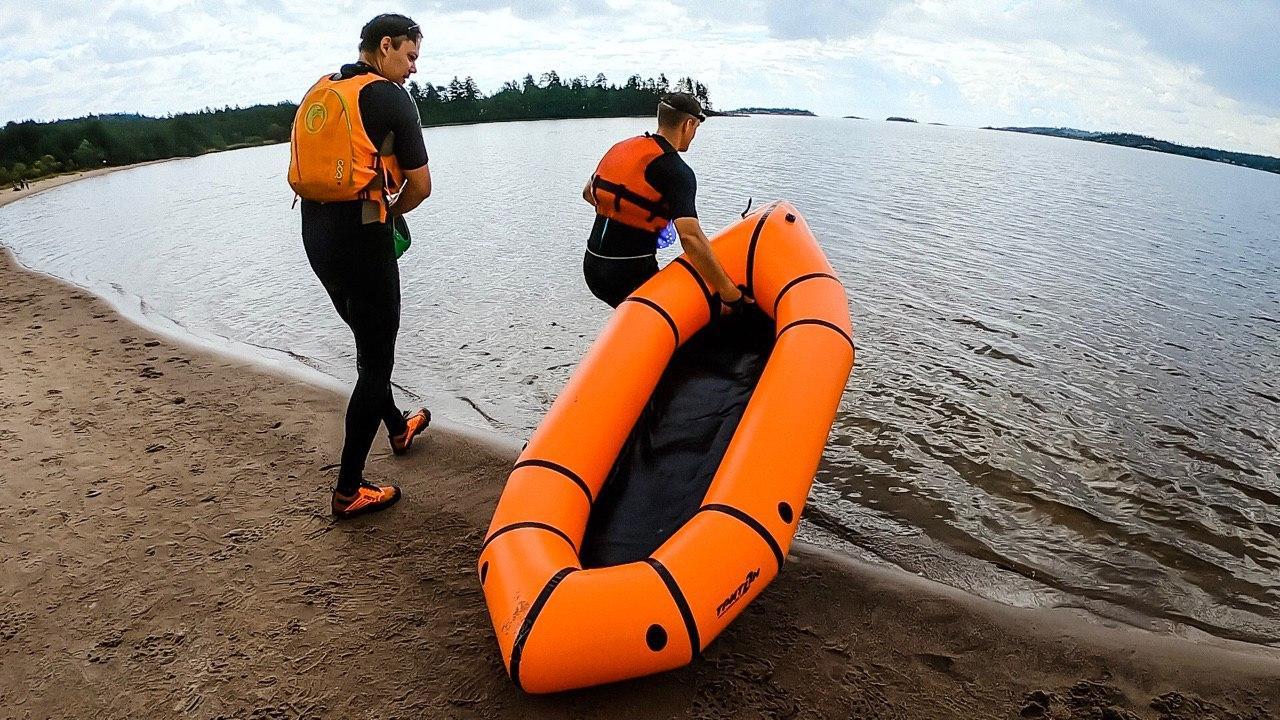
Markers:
{"x": 560, "y": 627}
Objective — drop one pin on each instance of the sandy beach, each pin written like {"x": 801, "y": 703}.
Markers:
{"x": 166, "y": 551}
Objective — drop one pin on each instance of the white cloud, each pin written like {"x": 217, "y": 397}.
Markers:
{"x": 977, "y": 62}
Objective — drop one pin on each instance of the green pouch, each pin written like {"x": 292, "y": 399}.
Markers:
{"x": 400, "y": 229}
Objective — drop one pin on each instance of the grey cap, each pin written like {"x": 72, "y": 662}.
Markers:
{"x": 684, "y": 102}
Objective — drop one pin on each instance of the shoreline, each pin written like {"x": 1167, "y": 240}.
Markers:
{"x": 979, "y": 577}
{"x": 9, "y": 195}
{"x": 176, "y": 559}
{"x": 262, "y": 358}
{"x": 171, "y": 554}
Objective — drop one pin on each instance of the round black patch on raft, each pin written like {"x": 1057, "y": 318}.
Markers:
{"x": 784, "y": 511}
{"x": 484, "y": 571}
{"x": 656, "y": 637}
{"x": 791, "y": 218}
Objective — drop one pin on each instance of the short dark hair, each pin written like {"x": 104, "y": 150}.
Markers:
{"x": 674, "y": 108}
{"x": 397, "y": 27}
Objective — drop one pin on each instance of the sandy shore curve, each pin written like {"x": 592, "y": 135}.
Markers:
{"x": 166, "y": 551}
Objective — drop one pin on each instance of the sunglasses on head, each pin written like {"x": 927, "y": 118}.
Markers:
{"x": 701, "y": 117}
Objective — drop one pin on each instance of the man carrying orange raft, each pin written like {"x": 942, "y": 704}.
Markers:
{"x": 644, "y": 193}
{"x": 358, "y": 162}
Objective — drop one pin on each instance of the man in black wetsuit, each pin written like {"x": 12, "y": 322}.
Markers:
{"x": 640, "y": 186}
{"x": 350, "y": 242}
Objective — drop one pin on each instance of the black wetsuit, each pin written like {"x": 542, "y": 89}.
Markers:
{"x": 621, "y": 258}
{"x": 356, "y": 263}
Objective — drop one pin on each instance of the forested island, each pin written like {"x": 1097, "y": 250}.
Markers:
{"x": 773, "y": 111}
{"x": 30, "y": 150}
{"x": 1142, "y": 142}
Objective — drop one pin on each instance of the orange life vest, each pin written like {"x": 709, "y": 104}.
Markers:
{"x": 620, "y": 189}
{"x": 332, "y": 158}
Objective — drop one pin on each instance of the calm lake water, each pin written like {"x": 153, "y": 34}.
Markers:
{"x": 1066, "y": 389}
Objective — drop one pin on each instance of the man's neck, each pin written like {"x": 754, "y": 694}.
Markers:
{"x": 670, "y": 136}
{"x": 368, "y": 62}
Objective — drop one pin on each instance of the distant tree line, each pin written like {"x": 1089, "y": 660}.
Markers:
{"x": 1142, "y": 142}
{"x": 549, "y": 97}
{"x": 31, "y": 150}
{"x": 774, "y": 111}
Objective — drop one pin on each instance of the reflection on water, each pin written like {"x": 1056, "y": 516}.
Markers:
{"x": 1067, "y": 351}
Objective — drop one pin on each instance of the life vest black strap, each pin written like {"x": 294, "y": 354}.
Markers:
{"x": 656, "y": 208}
{"x": 595, "y": 200}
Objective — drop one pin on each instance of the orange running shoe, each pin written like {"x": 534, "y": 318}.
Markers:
{"x": 368, "y": 498}
{"x": 414, "y": 424}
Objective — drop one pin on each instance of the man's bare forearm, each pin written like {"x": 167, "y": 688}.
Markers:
{"x": 417, "y": 188}
{"x": 698, "y": 248}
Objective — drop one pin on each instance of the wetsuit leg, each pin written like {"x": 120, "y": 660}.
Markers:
{"x": 356, "y": 264}
{"x": 613, "y": 280}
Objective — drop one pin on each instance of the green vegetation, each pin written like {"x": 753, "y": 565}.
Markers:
{"x": 1142, "y": 142}
{"x": 774, "y": 111}
{"x": 462, "y": 102}
{"x": 31, "y": 150}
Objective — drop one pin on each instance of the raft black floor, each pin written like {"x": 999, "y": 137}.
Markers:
{"x": 664, "y": 469}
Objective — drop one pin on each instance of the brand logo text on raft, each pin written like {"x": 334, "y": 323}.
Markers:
{"x": 738, "y": 592}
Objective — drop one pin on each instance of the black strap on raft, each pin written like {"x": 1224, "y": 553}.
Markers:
{"x": 751, "y": 251}
{"x": 526, "y": 627}
{"x": 744, "y": 212}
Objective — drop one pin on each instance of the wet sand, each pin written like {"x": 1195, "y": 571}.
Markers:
{"x": 166, "y": 551}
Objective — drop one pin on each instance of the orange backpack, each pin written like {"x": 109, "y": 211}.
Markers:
{"x": 332, "y": 158}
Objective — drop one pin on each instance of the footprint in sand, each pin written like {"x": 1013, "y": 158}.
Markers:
{"x": 159, "y": 649}
{"x": 12, "y": 623}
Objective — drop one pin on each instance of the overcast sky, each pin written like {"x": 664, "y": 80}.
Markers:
{"x": 1204, "y": 72}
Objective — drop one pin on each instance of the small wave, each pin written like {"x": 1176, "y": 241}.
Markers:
{"x": 1174, "y": 430}
{"x": 1206, "y": 456}
{"x": 1264, "y": 396}
{"x": 983, "y": 326}
{"x": 992, "y": 352}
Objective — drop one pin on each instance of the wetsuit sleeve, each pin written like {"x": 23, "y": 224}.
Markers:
{"x": 387, "y": 108}
{"x": 672, "y": 176}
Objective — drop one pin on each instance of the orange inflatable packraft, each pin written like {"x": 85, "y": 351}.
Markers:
{"x": 561, "y": 627}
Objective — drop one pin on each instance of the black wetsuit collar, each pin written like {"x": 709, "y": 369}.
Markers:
{"x": 358, "y": 67}
{"x": 663, "y": 143}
